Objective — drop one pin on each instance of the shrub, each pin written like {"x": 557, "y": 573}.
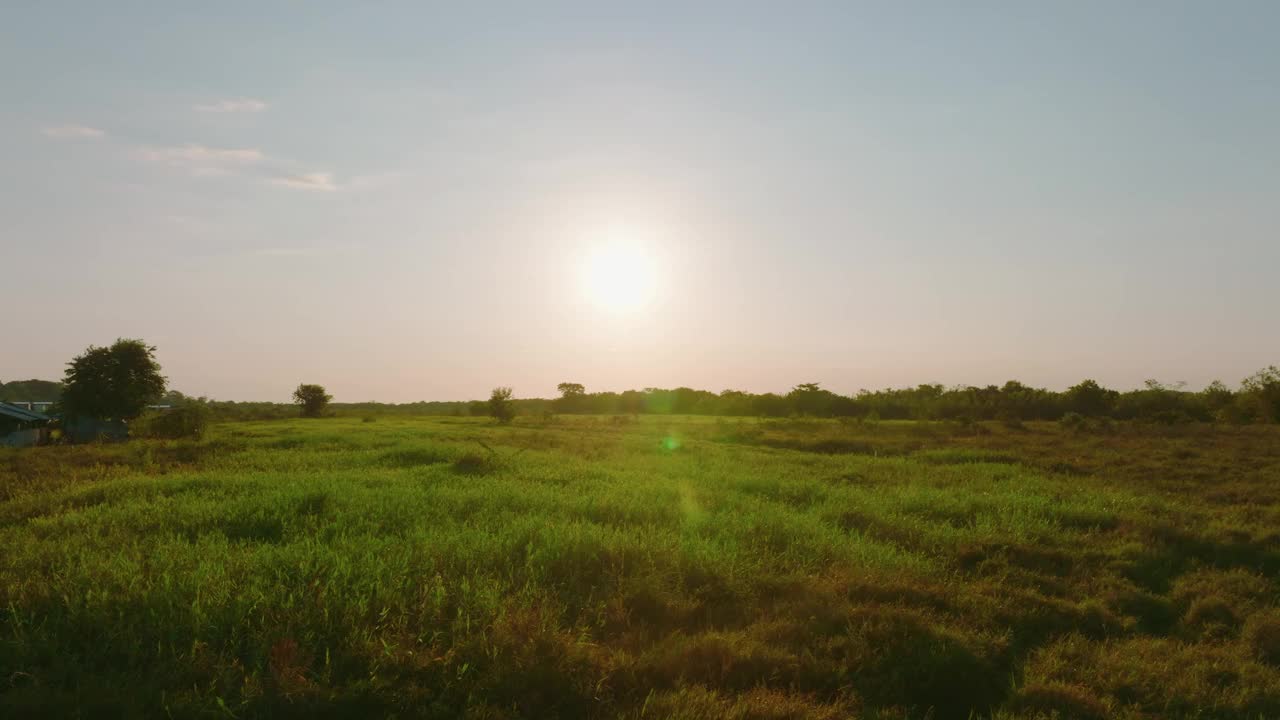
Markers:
{"x": 1234, "y": 414}
{"x": 1073, "y": 421}
{"x": 186, "y": 421}
{"x": 966, "y": 425}
{"x": 1260, "y": 394}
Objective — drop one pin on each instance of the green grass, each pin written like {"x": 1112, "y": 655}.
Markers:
{"x": 661, "y": 567}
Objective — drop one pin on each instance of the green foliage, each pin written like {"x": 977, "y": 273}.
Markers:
{"x": 1074, "y": 422}
{"x": 500, "y": 406}
{"x": 1090, "y": 399}
{"x": 810, "y": 399}
{"x": 30, "y": 391}
{"x": 572, "y": 397}
{"x": 116, "y": 382}
{"x": 1260, "y": 395}
{"x": 189, "y": 420}
{"x": 312, "y": 398}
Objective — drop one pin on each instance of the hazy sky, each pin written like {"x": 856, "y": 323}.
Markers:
{"x": 395, "y": 200}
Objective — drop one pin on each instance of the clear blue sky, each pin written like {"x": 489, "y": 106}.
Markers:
{"x": 395, "y": 199}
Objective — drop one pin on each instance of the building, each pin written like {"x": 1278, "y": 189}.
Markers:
{"x": 22, "y": 427}
{"x": 40, "y": 406}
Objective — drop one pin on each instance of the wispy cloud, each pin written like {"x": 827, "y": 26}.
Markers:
{"x": 206, "y": 161}
{"x": 322, "y": 181}
{"x": 233, "y": 105}
{"x": 202, "y": 160}
{"x": 202, "y": 155}
{"x": 69, "y": 132}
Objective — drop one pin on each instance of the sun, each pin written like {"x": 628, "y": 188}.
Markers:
{"x": 619, "y": 275}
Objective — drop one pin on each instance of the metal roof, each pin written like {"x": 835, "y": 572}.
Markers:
{"x": 22, "y": 414}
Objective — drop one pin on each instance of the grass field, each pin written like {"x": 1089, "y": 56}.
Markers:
{"x": 661, "y": 567}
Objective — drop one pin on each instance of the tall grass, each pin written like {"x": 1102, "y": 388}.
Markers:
{"x": 668, "y": 567}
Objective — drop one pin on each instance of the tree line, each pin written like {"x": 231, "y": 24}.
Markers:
{"x": 1255, "y": 400}
{"x": 122, "y": 380}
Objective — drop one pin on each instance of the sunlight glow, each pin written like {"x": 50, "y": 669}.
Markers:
{"x": 620, "y": 275}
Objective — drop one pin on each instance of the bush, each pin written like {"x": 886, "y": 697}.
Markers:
{"x": 186, "y": 421}
{"x": 1073, "y": 421}
{"x": 1260, "y": 394}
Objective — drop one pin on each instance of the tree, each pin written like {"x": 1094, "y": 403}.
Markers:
{"x": 571, "y": 389}
{"x": 810, "y": 399}
{"x": 30, "y": 391}
{"x": 1090, "y": 399}
{"x": 1260, "y": 392}
{"x": 572, "y": 397}
{"x": 1217, "y": 396}
{"x": 312, "y": 398}
{"x": 500, "y": 405}
{"x": 116, "y": 383}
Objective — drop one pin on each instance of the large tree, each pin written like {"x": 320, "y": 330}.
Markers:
{"x": 312, "y": 398}
{"x": 500, "y": 407}
{"x": 571, "y": 397}
{"x": 116, "y": 382}
{"x": 568, "y": 389}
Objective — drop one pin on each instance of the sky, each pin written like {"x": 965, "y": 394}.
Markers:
{"x": 401, "y": 200}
